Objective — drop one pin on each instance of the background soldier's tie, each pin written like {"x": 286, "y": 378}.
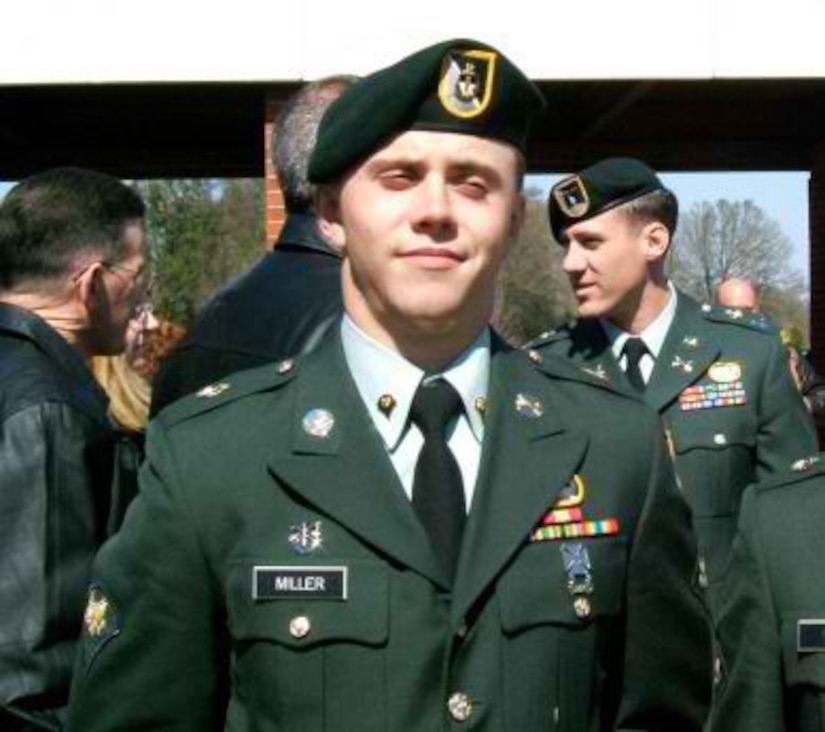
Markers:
{"x": 634, "y": 349}
{"x": 438, "y": 490}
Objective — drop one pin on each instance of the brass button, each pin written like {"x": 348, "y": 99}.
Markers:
{"x": 460, "y": 707}
{"x": 720, "y": 439}
{"x": 299, "y": 626}
{"x": 461, "y": 630}
{"x": 582, "y": 607}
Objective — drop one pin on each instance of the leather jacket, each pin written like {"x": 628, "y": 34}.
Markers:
{"x": 57, "y": 449}
{"x": 278, "y": 309}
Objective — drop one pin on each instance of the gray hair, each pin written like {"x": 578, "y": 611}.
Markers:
{"x": 294, "y": 135}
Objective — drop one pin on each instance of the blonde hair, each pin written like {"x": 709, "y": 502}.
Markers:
{"x": 129, "y": 392}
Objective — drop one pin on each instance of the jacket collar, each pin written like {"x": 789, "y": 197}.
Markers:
{"x": 24, "y": 323}
{"x": 301, "y": 232}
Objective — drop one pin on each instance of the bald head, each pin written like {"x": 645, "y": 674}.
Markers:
{"x": 737, "y": 293}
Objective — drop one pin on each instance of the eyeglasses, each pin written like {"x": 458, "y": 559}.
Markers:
{"x": 140, "y": 276}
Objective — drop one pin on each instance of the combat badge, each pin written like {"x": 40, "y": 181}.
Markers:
{"x": 576, "y": 560}
{"x": 467, "y": 81}
{"x": 725, "y": 372}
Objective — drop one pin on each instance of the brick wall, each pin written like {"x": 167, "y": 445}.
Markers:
{"x": 275, "y": 212}
{"x": 816, "y": 193}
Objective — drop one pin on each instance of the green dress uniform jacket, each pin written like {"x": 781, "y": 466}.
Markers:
{"x": 732, "y": 411}
{"x": 273, "y": 566}
{"x": 772, "y": 625}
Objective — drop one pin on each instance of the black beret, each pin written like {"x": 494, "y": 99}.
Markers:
{"x": 605, "y": 185}
{"x": 455, "y": 86}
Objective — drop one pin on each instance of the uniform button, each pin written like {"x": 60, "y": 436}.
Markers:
{"x": 461, "y": 630}
{"x": 299, "y": 626}
{"x": 720, "y": 439}
{"x": 460, "y": 707}
{"x": 582, "y": 607}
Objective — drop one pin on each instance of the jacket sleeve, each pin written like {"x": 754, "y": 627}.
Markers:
{"x": 750, "y": 698}
{"x": 153, "y": 634}
{"x": 54, "y": 479}
{"x": 786, "y": 428}
{"x": 667, "y": 669}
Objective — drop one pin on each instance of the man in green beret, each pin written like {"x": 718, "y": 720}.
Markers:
{"x": 717, "y": 375}
{"x": 413, "y": 528}
{"x": 772, "y": 621}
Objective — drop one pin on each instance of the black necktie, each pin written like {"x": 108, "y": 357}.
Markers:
{"x": 634, "y": 349}
{"x": 438, "y": 491}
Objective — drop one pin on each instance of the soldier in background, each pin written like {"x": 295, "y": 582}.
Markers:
{"x": 718, "y": 375}
{"x": 284, "y": 304}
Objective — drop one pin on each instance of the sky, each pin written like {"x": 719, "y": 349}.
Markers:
{"x": 783, "y": 197}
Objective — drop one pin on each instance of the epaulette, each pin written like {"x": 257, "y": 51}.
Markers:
{"x": 743, "y": 317}
{"x": 796, "y": 472}
{"x": 229, "y": 389}
{"x": 549, "y": 336}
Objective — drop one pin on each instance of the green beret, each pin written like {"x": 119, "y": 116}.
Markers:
{"x": 605, "y": 185}
{"x": 455, "y": 86}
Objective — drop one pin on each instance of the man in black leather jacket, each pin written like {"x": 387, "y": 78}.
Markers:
{"x": 284, "y": 304}
{"x": 72, "y": 268}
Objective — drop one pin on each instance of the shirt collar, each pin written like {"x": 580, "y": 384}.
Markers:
{"x": 653, "y": 336}
{"x": 378, "y": 372}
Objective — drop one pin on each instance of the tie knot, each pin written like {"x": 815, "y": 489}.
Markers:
{"x": 434, "y": 405}
{"x": 634, "y": 349}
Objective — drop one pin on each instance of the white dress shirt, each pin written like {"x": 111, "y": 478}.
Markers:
{"x": 380, "y": 371}
{"x": 653, "y": 336}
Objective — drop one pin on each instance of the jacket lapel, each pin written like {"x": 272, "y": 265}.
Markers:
{"x": 346, "y": 473}
{"x": 529, "y": 453}
{"x": 685, "y": 356}
{"x": 592, "y": 350}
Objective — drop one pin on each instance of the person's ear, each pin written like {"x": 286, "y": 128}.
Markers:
{"x": 517, "y": 216}
{"x": 657, "y": 240}
{"x": 328, "y": 212}
{"x": 89, "y": 284}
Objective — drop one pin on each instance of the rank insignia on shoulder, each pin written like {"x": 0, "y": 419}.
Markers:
{"x": 212, "y": 390}
{"x": 804, "y": 464}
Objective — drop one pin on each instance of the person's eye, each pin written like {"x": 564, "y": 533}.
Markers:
{"x": 397, "y": 179}
{"x": 474, "y": 188}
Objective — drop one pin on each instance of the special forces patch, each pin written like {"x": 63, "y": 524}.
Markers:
{"x": 467, "y": 80}
{"x": 571, "y": 197}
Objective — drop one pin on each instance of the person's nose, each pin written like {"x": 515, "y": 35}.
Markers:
{"x": 575, "y": 261}
{"x": 434, "y": 209}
